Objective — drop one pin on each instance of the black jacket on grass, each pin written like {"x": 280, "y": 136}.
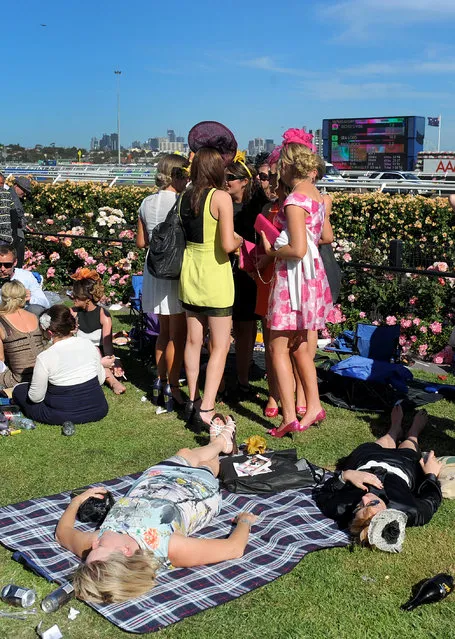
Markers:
{"x": 419, "y": 498}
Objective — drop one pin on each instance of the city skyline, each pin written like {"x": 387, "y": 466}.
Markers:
{"x": 338, "y": 59}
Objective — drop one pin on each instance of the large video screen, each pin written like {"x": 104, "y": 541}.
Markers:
{"x": 379, "y": 144}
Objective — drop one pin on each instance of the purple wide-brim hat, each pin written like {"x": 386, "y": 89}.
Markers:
{"x": 213, "y": 135}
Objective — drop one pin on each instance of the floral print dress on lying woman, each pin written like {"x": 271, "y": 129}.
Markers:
{"x": 165, "y": 499}
{"x": 316, "y": 298}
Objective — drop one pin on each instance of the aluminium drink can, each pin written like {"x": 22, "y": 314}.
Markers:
{"x": 18, "y": 596}
{"x": 57, "y": 598}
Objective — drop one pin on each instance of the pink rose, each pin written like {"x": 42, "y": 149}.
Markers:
{"x": 50, "y": 272}
{"x": 362, "y": 315}
{"x": 402, "y": 340}
{"x": 351, "y": 298}
{"x": 101, "y": 269}
{"x": 405, "y": 323}
{"x": 347, "y": 257}
{"x": 423, "y": 350}
{"x": 413, "y": 300}
{"x": 54, "y": 257}
{"x": 49, "y": 221}
{"x": 438, "y": 359}
{"x": 390, "y": 320}
{"x": 423, "y": 329}
{"x": 436, "y": 327}
{"x": 416, "y": 321}
{"x": 413, "y": 339}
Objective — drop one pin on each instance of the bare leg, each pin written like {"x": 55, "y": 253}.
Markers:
{"x": 419, "y": 422}
{"x": 304, "y": 359}
{"x": 195, "y": 335}
{"x": 244, "y": 335}
{"x": 271, "y": 379}
{"x": 174, "y": 351}
{"x": 300, "y": 400}
{"x": 390, "y": 440}
{"x": 281, "y": 360}
{"x": 205, "y": 455}
{"x": 113, "y": 382}
{"x": 161, "y": 346}
{"x": 220, "y": 334}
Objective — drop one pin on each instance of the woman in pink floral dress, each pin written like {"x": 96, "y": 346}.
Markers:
{"x": 300, "y": 299}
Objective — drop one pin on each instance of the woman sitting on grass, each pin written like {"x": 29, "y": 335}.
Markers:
{"x": 95, "y": 323}
{"x": 382, "y": 487}
{"x": 66, "y": 380}
{"x": 21, "y": 339}
{"x": 148, "y": 530}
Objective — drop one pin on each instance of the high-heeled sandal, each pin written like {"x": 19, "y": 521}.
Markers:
{"x": 190, "y": 407}
{"x": 300, "y": 410}
{"x": 316, "y": 421}
{"x": 197, "y": 420}
{"x": 292, "y": 427}
{"x": 271, "y": 411}
{"x": 229, "y": 433}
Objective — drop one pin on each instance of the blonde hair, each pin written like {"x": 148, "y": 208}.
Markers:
{"x": 299, "y": 157}
{"x": 117, "y": 579}
{"x": 13, "y": 297}
{"x": 165, "y": 166}
{"x": 360, "y": 524}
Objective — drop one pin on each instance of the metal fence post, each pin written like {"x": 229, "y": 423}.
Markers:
{"x": 396, "y": 253}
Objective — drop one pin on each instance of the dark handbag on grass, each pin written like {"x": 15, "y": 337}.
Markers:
{"x": 332, "y": 269}
{"x": 286, "y": 472}
{"x": 167, "y": 246}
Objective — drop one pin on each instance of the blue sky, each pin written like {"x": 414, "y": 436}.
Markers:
{"x": 258, "y": 67}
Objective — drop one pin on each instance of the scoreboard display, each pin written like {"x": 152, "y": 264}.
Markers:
{"x": 373, "y": 144}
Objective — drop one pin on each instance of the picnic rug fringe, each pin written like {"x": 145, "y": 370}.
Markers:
{"x": 290, "y": 526}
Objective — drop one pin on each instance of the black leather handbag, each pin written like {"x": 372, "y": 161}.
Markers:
{"x": 167, "y": 246}
{"x": 286, "y": 472}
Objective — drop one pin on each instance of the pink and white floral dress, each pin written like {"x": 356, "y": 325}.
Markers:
{"x": 316, "y": 298}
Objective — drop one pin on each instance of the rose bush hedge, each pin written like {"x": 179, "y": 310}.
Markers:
{"x": 363, "y": 226}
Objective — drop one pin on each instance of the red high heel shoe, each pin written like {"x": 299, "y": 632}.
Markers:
{"x": 270, "y": 411}
{"x": 292, "y": 427}
{"x": 316, "y": 421}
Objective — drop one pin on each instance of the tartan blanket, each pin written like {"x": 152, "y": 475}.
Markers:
{"x": 290, "y": 526}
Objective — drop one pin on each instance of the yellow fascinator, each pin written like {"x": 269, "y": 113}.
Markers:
{"x": 240, "y": 158}
{"x": 255, "y": 444}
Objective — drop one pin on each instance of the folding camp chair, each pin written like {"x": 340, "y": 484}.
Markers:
{"x": 146, "y": 325}
{"x": 373, "y": 367}
{"x": 375, "y": 342}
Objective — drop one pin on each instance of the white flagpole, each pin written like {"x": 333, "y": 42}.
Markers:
{"x": 439, "y": 133}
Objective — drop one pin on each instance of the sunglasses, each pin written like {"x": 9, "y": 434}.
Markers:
{"x": 373, "y": 502}
{"x": 264, "y": 177}
{"x": 6, "y": 264}
{"x": 231, "y": 178}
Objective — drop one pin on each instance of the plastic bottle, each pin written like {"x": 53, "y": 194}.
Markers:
{"x": 168, "y": 399}
{"x": 57, "y": 598}
{"x": 22, "y": 423}
{"x": 431, "y": 591}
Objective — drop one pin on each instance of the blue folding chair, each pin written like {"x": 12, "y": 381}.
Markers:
{"x": 137, "y": 282}
{"x": 380, "y": 343}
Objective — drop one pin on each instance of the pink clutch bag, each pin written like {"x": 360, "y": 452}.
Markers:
{"x": 247, "y": 257}
{"x": 262, "y": 224}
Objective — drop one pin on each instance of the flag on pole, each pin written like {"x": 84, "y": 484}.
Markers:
{"x": 433, "y": 121}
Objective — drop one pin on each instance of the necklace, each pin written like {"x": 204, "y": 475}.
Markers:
{"x": 297, "y": 184}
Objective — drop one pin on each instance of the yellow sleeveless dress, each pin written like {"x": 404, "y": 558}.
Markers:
{"x": 206, "y": 282}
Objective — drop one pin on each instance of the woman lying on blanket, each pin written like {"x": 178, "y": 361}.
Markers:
{"x": 149, "y": 529}
{"x": 383, "y": 487}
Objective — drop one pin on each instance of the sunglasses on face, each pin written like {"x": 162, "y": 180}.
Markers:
{"x": 6, "y": 264}
{"x": 264, "y": 177}
{"x": 373, "y": 502}
{"x": 231, "y": 178}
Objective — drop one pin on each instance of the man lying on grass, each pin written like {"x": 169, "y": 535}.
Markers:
{"x": 148, "y": 530}
{"x": 382, "y": 487}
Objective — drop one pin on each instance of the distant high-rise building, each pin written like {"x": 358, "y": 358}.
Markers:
{"x": 180, "y": 138}
{"x": 167, "y": 146}
{"x": 94, "y": 144}
{"x": 256, "y": 146}
{"x": 153, "y": 143}
{"x": 171, "y": 135}
{"x": 105, "y": 142}
{"x": 269, "y": 145}
{"x": 136, "y": 145}
{"x": 114, "y": 141}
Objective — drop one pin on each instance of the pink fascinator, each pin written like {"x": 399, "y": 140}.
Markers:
{"x": 299, "y": 136}
{"x": 292, "y": 136}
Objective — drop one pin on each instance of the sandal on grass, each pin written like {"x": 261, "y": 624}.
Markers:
{"x": 228, "y": 433}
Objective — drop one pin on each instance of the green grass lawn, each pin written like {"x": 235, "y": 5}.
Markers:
{"x": 330, "y": 594}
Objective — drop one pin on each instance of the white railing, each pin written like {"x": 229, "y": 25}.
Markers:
{"x": 111, "y": 174}
{"x": 422, "y": 187}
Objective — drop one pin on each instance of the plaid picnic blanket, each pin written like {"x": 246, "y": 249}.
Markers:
{"x": 289, "y": 527}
